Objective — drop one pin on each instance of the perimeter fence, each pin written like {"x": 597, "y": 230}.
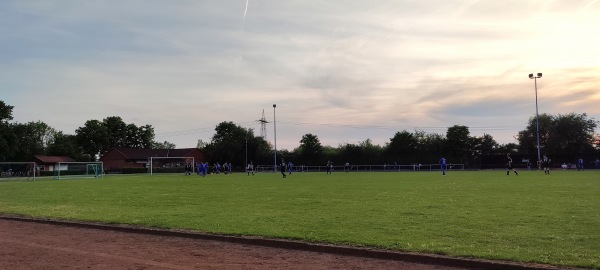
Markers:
{"x": 365, "y": 168}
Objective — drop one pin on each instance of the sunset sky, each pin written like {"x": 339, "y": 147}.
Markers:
{"x": 345, "y": 71}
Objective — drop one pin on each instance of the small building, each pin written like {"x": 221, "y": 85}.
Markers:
{"x": 50, "y": 163}
{"x": 117, "y": 159}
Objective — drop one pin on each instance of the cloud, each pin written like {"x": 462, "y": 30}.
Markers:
{"x": 356, "y": 69}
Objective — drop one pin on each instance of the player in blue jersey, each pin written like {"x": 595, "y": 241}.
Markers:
{"x": 443, "y": 165}
{"x": 580, "y": 164}
{"x": 289, "y": 167}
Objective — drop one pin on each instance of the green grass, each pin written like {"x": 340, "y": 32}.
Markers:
{"x": 532, "y": 217}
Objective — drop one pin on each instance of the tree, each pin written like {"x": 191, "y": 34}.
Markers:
{"x": 116, "y": 130}
{"x": 145, "y": 137}
{"x": 92, "y": 138}
{"x": 65, "y": 145}
{"x": 310, "y": 150}
{"x": 458, "y": 143}
{"x": 5, "y": 116}
{"x": 98, "y": 137}
{"x": 559, "y": 134}
{"x": 430, "y": 146}
{"x": 163, "y": 145}
{"x": 528, "y": 137}
{"x": 402, "y": 147}
{"x": 228, "y": 144}
{"x": 30, "y": 139}
{"x": 201, "y": 144}
{"x": 485, "y": 145}
{"x": 571, "y": 134}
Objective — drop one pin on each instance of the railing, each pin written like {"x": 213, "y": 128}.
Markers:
{"x": 366, "y": 168}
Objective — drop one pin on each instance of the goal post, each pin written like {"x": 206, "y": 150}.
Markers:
{"x": 170, "y": 165}
{"x": 18, "y": 171}
{"x": 67, "y": 170}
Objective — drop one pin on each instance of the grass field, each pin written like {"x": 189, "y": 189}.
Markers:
{"x": 532, "y": 217}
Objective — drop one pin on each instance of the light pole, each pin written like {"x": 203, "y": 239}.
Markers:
{"x": 537, "y": 116}
{"x": 275, "y": 138}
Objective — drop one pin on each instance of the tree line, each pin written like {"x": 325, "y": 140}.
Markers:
{"x": 562, "y": 135}
{"x": 570, "y": 134}
{"x": 22, "y": 141}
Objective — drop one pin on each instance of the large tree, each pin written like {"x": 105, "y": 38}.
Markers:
{"x": 116, "y": 130}
{"x": 310, "y": 150}
{"x": 430, "y": 147}
{"x": 30, "y": 139}
{"x": 100, "y": 136}
{"x": 65, "y": 145}
{"x": 402, "y": 147}
{"x": 459, "y": 144}
{"x": 559, "y": 134}
{"x": 93, "y": 138}
{"x": 229, "y": 144}
{"x": 5, "y": 116}
{"x": 528, "y": 138}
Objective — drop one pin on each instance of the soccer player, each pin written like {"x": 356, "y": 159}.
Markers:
{"x": 509, "y": 167}
{"x": 289, "y": 167}
{"x": 188, "y": 168}
{"x": 250, "y": 168}
{"x": 347, "y": 167}
{"x": 546, "y": 164}
{"x": 443, "y": 165}
{"x": 329, "y": 166}
{"x": 580, "y": 164}
{"x": 282, "y": 168}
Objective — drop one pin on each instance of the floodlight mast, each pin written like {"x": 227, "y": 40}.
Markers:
{"x": 275, "y": 138}
{"x": 537, "y": 116}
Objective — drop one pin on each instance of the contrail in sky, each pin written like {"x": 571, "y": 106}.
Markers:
{"x": 246, "y": 10}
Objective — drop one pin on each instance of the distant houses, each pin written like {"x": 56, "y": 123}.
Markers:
{"x": 50, "y": 163}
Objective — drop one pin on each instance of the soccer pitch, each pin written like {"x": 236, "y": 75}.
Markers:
{"x": 531, "y": 217}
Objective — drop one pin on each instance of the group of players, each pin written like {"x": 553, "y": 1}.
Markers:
{"x": 545, "y": 163}
{"x": 202, "y": 168}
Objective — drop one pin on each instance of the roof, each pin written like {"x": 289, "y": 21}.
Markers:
{"x": 137, "y": 153}
{"x": 53, "y": 159}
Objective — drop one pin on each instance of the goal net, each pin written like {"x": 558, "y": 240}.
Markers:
{"x": 17, "y": 171}
{"x": 170, "y": 165}
{"x": 66, "y": 170}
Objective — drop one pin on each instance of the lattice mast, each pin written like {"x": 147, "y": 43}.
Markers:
{"x": 263, "y": 126}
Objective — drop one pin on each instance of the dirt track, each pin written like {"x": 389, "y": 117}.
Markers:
{"x": 34, "y": 245}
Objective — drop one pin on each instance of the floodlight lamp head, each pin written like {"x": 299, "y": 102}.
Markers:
{"x": 274, "y": 105}
{"x": 530, "y": 75}
{"x": 539, "y": 75}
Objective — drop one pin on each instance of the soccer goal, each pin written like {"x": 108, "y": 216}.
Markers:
{"x": 170, "y": 165}
{"x": 67, "y": 170}
{"x": 17, "y": 171}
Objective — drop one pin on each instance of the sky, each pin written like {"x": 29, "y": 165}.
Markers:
{"x": 345, "y": 71}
